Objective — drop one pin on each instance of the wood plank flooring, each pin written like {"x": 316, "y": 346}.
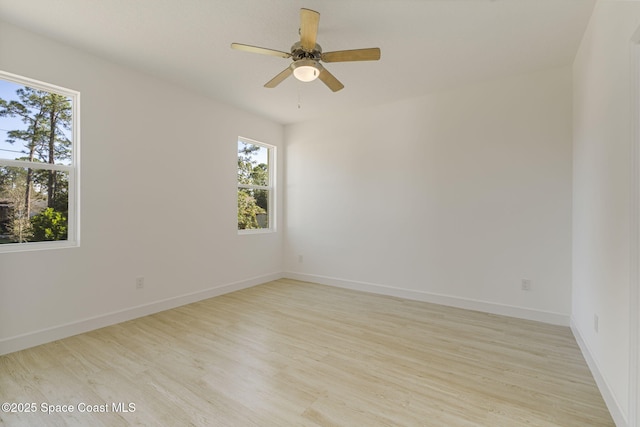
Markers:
{"x": 289, "y": 353}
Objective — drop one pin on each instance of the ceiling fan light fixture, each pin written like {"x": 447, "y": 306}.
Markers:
{"x": 306, "y": 70}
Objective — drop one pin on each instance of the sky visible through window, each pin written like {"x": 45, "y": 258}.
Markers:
{"x": 260, "y": 156}
{"x": 8, "y": 93}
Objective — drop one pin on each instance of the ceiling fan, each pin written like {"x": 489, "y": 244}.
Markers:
{"x": 307, "y": 54}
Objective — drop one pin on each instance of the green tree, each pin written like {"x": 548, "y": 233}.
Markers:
{"x": 56, "y": 146}
{"x": 248, "y": 210}
{"x": 246, "y": 162}
{"x": 12, "y": 184}
{"x": 60, "y": 198}
{"x": 49, "y": 225}
{"x": 260, "y": 176}
{"x": 251, "y": 202}
{"x": 32, "y": 112}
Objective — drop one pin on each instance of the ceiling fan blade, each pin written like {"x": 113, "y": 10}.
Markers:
{"x": 371, "y": 54}
{"x": 328, "y": 79}
{"x": 279, "y": 78}
{"x": 261, "y": 50}
{"x": 309, "y": 20}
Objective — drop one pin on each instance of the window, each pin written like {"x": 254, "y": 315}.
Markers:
{"x": 39, "y": 147}
{"x": 255, "y": 186}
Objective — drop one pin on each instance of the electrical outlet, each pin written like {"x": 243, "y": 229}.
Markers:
{"x": 595, "y": 322}
{"x": 300, "y": 259}
{"x": 525, "y": 285}
{"x": 139, "y": 282}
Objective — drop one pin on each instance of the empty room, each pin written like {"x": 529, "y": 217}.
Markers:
{"x": 320, "y": 213}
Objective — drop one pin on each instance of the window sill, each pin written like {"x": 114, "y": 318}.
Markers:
{"x": 37, "y": 246}
{"x": 256, "y": 231}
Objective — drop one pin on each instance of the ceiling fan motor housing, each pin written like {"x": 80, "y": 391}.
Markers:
{"x": 297, "y": 52}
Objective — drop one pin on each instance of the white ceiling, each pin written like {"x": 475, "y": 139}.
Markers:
{"x": 427, "y": 45}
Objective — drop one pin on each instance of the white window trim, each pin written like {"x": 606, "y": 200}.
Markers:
{"x": 73, "y": 224}
{"x": 271, "y": 150}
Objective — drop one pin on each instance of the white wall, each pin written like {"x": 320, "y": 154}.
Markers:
{"x": 453, "y": 197}
{"x": 158, "y": 200}
{"x": 601, "y": 221}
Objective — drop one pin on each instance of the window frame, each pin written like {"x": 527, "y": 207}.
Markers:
{"x": 271, "y": 188}
{"x": 73, "y": 169}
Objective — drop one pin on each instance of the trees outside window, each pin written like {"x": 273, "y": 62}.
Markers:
{"x": 38, "y": 162}
{"x": 255, "y": 185}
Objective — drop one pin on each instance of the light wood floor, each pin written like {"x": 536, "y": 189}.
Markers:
{"x": 289, "y": 353}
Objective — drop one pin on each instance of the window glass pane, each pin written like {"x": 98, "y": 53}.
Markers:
{"x": 34, "y": 205}
{"x": 253, "y": 164}
{"x": 253, "y": 209}
{"x": 35, "y": 125}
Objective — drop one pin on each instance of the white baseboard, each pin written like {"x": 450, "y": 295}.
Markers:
{"x": 451, "y": 301}
{"x": 32, "y": 339}
{"x": 616, "y": 412}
